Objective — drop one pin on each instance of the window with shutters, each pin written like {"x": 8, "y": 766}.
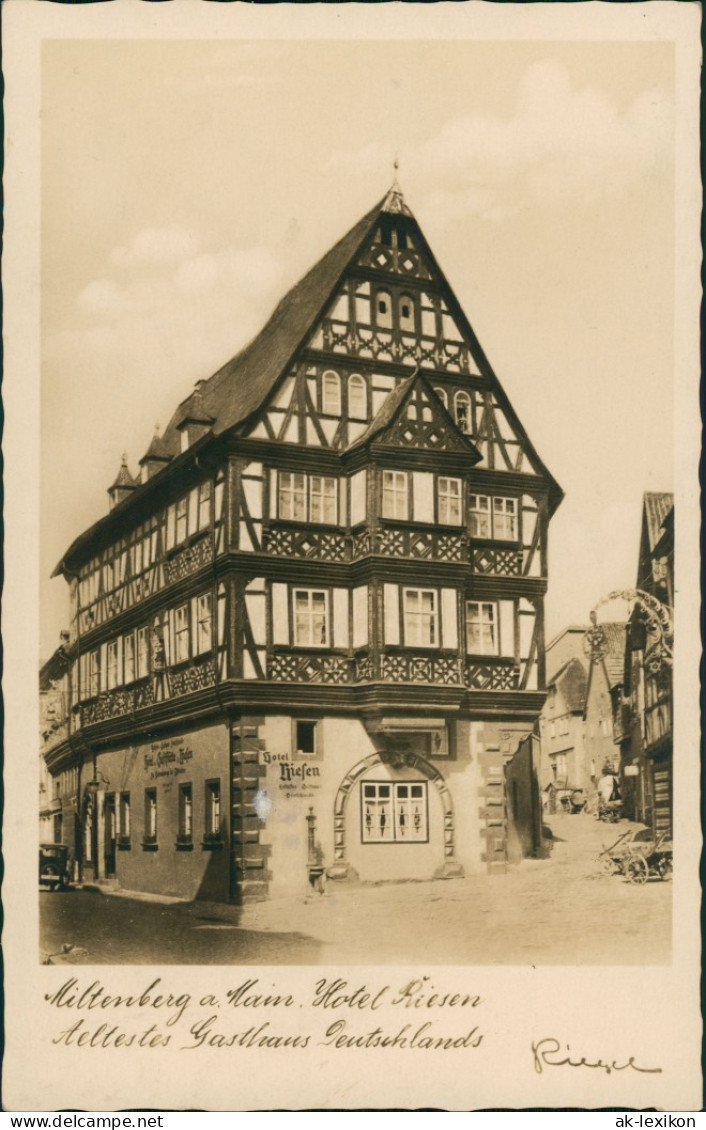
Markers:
{"x": 481, "y": 627}
{"x": 311, "y": 618}
{"x": 395, "y": 495}
{"x": 394, "y": 812}
{"x": 449, "y": 494}
{"x": 421, "y": 618}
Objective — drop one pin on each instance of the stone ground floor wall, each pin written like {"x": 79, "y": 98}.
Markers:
{"x": 159, "y": 820}
{"x": 355, "y": 804}
{"x": 300, "y": 816}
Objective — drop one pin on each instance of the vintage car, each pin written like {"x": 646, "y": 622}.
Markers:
{"x": 54, "y": 865}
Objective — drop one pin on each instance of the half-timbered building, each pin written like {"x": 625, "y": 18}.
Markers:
{"x": 308, "y": 636}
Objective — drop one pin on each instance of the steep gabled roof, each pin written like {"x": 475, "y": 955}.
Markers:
{"x": 394, "y": 407}
{"x": 612, "y": 663}
{"x": 237, "y": 389}
{"x": 655, "y": 507}
{"x": 232, "y": 396}
{"x": 570, "y": 682}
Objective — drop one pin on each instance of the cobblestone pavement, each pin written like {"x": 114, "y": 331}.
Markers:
{"x": 560, "y": 910}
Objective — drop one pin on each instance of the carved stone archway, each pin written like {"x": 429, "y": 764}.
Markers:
{"x": 341, "y": 869}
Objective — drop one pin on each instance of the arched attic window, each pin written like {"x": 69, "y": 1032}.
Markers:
{"x": 357, "y": 397}
{"x": 331, "y": 394}
{"x": 383, "y": 309}
{"x": 406, "y": 313}
{"x": 441, "y": 393}
{"x": 462, "y": 411}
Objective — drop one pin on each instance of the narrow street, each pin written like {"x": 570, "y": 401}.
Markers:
{"x": 560, "y": 910}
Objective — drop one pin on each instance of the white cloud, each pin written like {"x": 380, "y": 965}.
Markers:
{"x": 156, "y": 245}
{"x": 562, "y": 142}
{"x": 160, "y": 327}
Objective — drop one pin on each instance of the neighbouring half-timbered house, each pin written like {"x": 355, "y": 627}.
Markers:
{"x": 308, "y": 638}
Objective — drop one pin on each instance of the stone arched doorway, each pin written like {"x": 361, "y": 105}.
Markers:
{"x": 433, "y": 857}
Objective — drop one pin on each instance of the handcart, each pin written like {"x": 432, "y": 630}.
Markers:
{"x": 651, "y": 860}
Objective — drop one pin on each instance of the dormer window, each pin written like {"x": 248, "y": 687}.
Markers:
{"x": 331, "y": 394}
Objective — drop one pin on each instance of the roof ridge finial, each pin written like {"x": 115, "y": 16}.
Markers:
{"x": 395, "y": 179}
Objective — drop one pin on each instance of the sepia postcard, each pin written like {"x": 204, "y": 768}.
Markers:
{"x": 352, "y": 556}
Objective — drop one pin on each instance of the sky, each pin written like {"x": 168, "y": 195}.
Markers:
{"x": 187, "y": 185}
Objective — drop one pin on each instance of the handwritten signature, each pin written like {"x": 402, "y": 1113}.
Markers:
{"x": 549, "y": 1052}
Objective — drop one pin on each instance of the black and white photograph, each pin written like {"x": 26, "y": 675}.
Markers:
{"x": 360, "y": 469}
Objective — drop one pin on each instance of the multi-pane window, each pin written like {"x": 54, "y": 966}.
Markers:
{"x": 129, "y": 657}
{"x": 150, "y": 816}
{"x": 481, "y": 627}
{"x": 493, "y": 517}
{"x": 449, "y": 501}
{"x": 213, "y": 809}
{"x": 395, "y": 494}
{"x": 331, "y": 394}
{"x": 186, "y": 812}
{"x": 181, "y": 633}
{"x": 204, "y": 621}
{"x": 357, "y": 398}
{"x": 322, "y": 494}
{"x": 394, "y": 812}
{"x": 292, "y": 496}
{"x": 462, "y": 412}
{"x": 505, "y": 519}
{"x": 310, "y": 618}
{"x": 112, "y": 664}
{"x": 421, "y": 618}
{"x": 303, "y": 497}
{"x": 143, "y": 653}
{"x": 205, "y": 505}
{"x": 93, "y": 672}
{"x": 182, "y": 511}
{"x": 124, "y": 817}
